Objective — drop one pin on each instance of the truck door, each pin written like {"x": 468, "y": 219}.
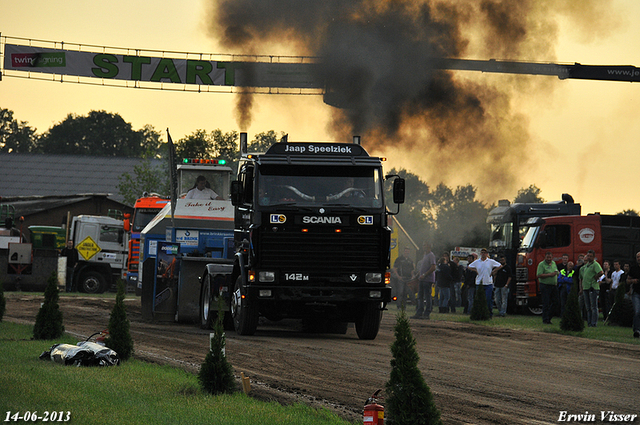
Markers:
{"x": 557, "y": 239}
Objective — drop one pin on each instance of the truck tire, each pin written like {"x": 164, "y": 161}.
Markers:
{"x": 206, "y": 319}
{"x": 245, "y": 317}
{"x": 368, "y": 325}
{"x": 92, "y": 282}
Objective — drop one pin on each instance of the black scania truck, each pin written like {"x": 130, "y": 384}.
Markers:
{"x": 311, "y": 236}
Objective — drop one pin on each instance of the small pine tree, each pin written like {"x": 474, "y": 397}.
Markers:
{"x": 409, "y": 399}
{"x": 49, "y": 319}
{"x": 620, "y": 313}
{"x": 3, "y": 302}
{"x": 572, "y": 317}
{"x": 480, "y": 309}
{"x": 216, "y": 374}
{"x": 119, "y": 338}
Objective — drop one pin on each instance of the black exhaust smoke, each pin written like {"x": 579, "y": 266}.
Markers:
{"x": 375, "y": 62}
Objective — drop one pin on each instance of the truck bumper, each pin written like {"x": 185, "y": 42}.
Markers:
{"x": 319, "y": 294}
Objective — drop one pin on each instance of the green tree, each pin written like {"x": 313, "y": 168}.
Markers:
{"x": 119, "y": 338}
{"x": 196, "y": 145}
{"x": 480, "y": 308}
{"x": 409, "y": 399}
{"x": 630, "y": 212}
{"x": 15, "y": 137}
{"x": 216, "y": 373}
{"x": 414, "y": 214}
{"x": 621, "y": 314}
{"x": 49, "y": 318}
{"x": 99, "y": 133}
{"x": 529, "y": 195}
{"x": 571, "y": 319}
{"x": 460, "y": 219}
{"x": 263, "y": 141}
{"x": 145, "y": 179}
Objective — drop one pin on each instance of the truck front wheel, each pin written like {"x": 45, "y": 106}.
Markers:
{"x": 368, "y": 325}
{"x": 92, "y": 283}
{"x": 206, "y": 321}
{"x": 245, "y": 317}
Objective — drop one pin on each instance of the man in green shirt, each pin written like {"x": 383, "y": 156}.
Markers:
{"x": 547, "y": 274}
{"x": 589, "y": 287}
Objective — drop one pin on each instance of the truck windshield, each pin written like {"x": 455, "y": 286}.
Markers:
{"x": 530, "y": 238}
{"x": 501, "y": 235}
{"x": 320, "y": 186}
{"x": 142, "y": 217}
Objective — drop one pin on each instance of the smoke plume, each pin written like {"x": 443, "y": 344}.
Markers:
{"x": 451, "y": 126}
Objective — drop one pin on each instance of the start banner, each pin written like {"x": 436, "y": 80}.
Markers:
{"x": 159, "y": 69}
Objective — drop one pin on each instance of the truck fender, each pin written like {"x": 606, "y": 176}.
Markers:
{"x": 239, "y": 268}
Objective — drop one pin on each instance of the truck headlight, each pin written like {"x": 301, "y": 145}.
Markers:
{"x": 373, "y": 277}
{"x": 267, "y": 276}
{"x": 375, "y": 294}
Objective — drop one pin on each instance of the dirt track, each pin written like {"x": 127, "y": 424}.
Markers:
{"x": 478, "y": 375}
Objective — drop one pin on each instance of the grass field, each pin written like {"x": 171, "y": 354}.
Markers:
{"x": 134, "y": 393}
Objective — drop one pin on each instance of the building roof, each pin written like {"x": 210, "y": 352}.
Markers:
{"x": 64, "y": 175}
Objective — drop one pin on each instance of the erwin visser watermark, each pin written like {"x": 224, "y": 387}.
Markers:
{"x": 602, "y": 416}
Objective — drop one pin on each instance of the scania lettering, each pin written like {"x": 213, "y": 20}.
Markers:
{"x": 322, "y": 220}
{"x": 303, "y": 250}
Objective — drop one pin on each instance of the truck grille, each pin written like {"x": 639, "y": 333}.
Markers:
{"x": 326, "y": 253}
{"x": 522, "y": 274}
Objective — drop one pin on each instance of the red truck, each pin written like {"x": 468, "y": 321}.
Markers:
{"x": 612, "y": 237}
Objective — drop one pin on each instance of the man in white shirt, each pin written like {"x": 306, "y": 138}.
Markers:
{"x": 201, "y": 191}
{"x": 615, "y": 281}
{"x": 484, "y": 266}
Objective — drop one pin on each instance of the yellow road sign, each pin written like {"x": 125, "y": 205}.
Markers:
{"x": 88, "y": 248}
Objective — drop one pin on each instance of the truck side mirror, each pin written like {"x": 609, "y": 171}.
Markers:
{"x": 398, "y": 191}
{"x": 127, "y": 222}
{"x": 236, "y": 193}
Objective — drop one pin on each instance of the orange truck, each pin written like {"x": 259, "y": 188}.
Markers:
{"x": 144, "y": 210}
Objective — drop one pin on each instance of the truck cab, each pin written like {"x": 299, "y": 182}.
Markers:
{"x": 311, "y": 236}
{"x": 610, "y": 236}
{"x": 102, "y": 247}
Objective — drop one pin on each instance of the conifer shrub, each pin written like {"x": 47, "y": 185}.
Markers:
{"x": 3, "y": 302}
{"x": 49, "y": 318}
{"x": 622, "y": 310}
{"x": 216, "y": 373}
{"x": 409, "y": 400}
{"x": 480, "y": 309}
{"x": 572, "y": 317}
{"x": 119, "y": 338}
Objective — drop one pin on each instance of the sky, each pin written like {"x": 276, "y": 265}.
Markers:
{"x": 584, "y": 135}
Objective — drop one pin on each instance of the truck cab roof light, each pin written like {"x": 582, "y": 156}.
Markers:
{"x": 204, "y": 161}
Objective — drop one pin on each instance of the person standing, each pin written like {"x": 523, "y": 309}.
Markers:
{"x": 547, "y": 274}
{"x": 633, "y": 280}
{"x": 590, "y": 272}
{"x": 565, "y": 280}
{"x": 484, "y": 266}
{"x": 502, "y": 280}
{"x": 426, "y": 279}
{"x": 469, "y": 288}
{"x": 605, "y": 286}
{"x": 444, "y": 280}
{"x": 71, "y": 253}
{"x": 616, "y": 275}
{"x": 403, "y": 269}
{"x": 456, "y": 274}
